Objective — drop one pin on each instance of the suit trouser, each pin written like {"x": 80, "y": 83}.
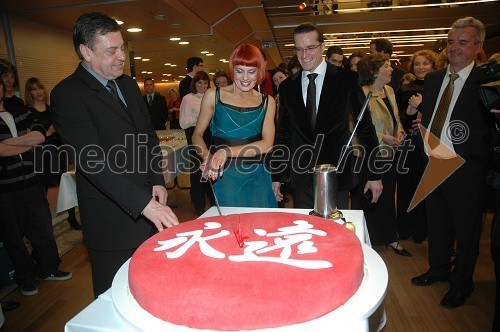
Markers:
{"x": 304, "y": 199}
{"x": 454, "y": 212}
{"x": 25, "y": 212}
{"x": 105, "y": 264}
{"x": 199, "y": 189}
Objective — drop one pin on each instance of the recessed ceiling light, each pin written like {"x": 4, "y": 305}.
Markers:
{"x": 209, "y": 54}
{"x": 173, "y": 65}
{"x": 175, "y": 39}
{"x": 119, "y": 22}
{"x": 137, "y": 58}
{"x": 134, "y": 30}
{"x": 150, "y": 72}
{"x": 183, "y": 43}
{"x": 160, "y": 17}
{"x": 211, "y": 73}
{"x": 167, "y": 64}
{"x": 165, "y": 74}
{"x": 144, "y": 72}
{"x": 222, "y": 60}
{"x": 146, "y": 59}
{"x": 204, "y": 52}
{"x": 169, "y": 74}
{"x": 182, "y": 76}
{"x": 175, "y": 25}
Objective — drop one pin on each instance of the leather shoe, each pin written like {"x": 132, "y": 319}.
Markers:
{"x": 454, "y": 299}
{"x": 427, "y": 279}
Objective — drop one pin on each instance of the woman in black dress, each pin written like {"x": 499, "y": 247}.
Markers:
{"x": 409, "y": 96}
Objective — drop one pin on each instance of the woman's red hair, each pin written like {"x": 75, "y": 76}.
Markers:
{"x": 249, "y": 56}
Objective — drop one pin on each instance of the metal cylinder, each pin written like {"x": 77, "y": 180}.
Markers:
{"x": 325, "y": 190}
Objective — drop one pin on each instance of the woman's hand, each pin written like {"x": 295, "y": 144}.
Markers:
{"x": 415, "y": 124}
{"x": 391, "y": 140}
{"x": 277, "y": 192}
{"x": 415, "y": 100}
{"x": 213, "y": 166}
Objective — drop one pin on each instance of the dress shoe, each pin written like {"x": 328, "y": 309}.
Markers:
{"x": 427, "y": 279}
{"x": 9, "y": 306}
{"x": 399, "y": 250}
{"x": 454, "y": 299}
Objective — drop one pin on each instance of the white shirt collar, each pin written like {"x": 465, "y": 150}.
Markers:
{"x": 464, "y": 72}
{"x": 320, "y": 70}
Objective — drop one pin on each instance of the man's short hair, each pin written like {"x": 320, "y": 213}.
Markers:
{"x": 193, "y": 61}
{"x": 149, "y": 79}
{"x": 308, "y": 27}
{"x": 333, "y": 50}
{"x": 471, "y": 22}
{"x": 382, "y": 45}
{"x": 88, "y": 26}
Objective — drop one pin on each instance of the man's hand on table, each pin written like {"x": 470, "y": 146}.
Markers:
{"x": 158, "y": 211}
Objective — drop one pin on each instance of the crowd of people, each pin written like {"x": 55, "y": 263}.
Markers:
{"x": 234, "y": 131}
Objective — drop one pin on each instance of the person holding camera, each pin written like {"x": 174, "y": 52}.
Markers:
{"x": 459, "y": 127}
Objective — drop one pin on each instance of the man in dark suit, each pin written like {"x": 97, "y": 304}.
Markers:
{"x": 157, "y": 105}
{"x": 337, "y": 93}
{"x": 101, "y": 114}
{"x": 384, "y": 46}
{"x": 193, "y": 65}
{"x": 454, "y": 208}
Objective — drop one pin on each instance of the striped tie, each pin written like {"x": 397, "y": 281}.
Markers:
{"x": 442, "y": 110}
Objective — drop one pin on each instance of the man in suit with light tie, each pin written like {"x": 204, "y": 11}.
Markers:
{"x": 315, "y": 104}
{"x": 453, "y": 112}
{"x": 101, "y": 114}
{"x": 157, "y": 105}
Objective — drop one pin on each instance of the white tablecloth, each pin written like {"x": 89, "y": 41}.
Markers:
{"x": 101, "y": 315}
{"x": 174, "y": 161}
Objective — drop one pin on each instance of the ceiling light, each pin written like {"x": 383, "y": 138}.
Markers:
{"x": 169, "y": 74}
{"x": 144, "y": 72}
{"x": 183, "y": 43}
{"x": 150, "y": 72}
{"x": 134, "y": 30}
{"x": 167, "y": 64}
{"x": 175, "y": 25}
{"x": 222, "y": 60}
{"x": 119, "y": 22}
{"x": 181, "y": 76}
{"x": 209, "y": 54}
{"x": 165, "y": 74}
{"x": 146, "y": 59}
{"x": 211, "y": 73}
{"x": 160, "y": 17}
{"x": 172, "y": 65}
{"x": 204, "y": 52}
{"x": 137, "y": 58}
{"x": 175, "y": 38}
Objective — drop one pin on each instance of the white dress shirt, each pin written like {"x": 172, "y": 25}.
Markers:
{"x": 321, "y": 71}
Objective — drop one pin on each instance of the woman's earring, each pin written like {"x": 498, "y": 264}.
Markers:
{"x": 258, "y": 88}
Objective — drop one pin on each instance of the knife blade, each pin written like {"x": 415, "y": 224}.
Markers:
{"x": 237, "y": 234}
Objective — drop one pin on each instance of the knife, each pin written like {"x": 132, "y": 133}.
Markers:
{"x": 237, "y": 233}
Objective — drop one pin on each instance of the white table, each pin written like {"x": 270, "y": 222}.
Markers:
{"x": 174, "y": 161}
{"x": 356, "y": 315}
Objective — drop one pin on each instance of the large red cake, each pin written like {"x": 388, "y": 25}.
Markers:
{"x": 292, "y": 268}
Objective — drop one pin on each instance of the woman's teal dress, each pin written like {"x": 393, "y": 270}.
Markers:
{"x": 245, "y": 183}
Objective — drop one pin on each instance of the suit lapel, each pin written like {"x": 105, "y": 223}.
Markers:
{"x": 329, "y": 83}
{"x": 431, "y": 96}
{"x": 103, "y": 94}
{"x": 298, "y": 100}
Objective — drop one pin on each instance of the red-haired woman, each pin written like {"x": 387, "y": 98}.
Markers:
{"x": 242, "y": 125}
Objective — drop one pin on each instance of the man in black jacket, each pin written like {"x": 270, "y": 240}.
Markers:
{"x": 157, "y": 105}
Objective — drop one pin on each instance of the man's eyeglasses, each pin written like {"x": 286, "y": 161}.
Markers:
{"x": 308, "y": 49}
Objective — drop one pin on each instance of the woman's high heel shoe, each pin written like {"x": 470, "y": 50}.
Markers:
{"x": 402, "y": 251}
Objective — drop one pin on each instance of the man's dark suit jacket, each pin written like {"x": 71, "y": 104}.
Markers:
{"x": 470, "y": 110}
{"x": 341, "y": 94}
{"x": 111, "y": 201}
{"x": 184, "y": 86}
{"x": 158, "y": 111}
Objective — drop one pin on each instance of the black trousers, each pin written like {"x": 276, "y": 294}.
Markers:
{"x": 199, "y": 189}
{"x": 25, "y": 212}
{"x": 105, "y": 264}
{"x": 495, "y": 254}
{"x": 455, "y": 214}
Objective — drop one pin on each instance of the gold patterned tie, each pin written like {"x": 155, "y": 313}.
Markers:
{"x": 442, "y": 110}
